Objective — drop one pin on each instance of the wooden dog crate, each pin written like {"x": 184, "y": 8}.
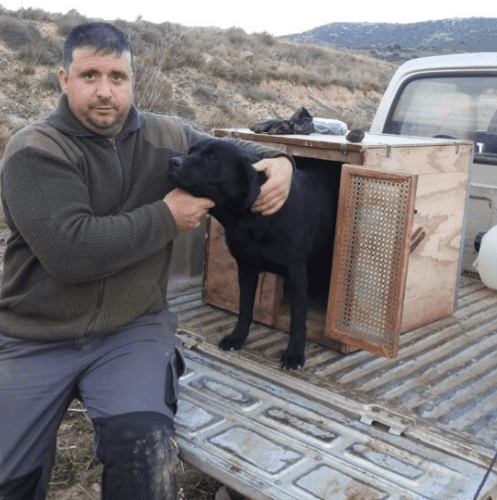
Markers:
{"x": 397, "y": 252}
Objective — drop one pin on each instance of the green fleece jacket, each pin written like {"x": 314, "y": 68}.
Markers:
{"x": 91, "y": 237}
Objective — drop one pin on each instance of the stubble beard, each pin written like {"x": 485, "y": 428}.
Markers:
{"x": 101, "y": 126}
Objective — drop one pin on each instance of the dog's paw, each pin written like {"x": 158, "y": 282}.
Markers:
{"x": 292, "y": 360}
{"x": 230, "y": 343}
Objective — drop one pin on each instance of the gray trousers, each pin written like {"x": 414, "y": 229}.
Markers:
{"x": 128, "y": 382}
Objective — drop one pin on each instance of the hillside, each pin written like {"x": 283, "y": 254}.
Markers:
{"x": 211, "y": 77}
{"x": 400, "y": 42}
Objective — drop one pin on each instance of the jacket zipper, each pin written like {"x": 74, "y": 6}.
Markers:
{"x": 119, "y": 167}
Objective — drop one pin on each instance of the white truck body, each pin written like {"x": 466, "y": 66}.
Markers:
{"x": 421, "y": 425}
{"x": 453, "y": 96}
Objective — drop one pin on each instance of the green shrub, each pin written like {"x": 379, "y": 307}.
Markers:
{"x": 16, "y": 33}
{"x": 67, "y": 22}
{"x": 50, "y": 82}
{"x": 266, "y": 38}
{"x": 238, "y": 37}
{"x": 256, "y": 94}
{"x": 33, "y": 14}
{"x": 46, "y": 52}
{"x": 206, "y": 94}
{"x": 152, "y": 92}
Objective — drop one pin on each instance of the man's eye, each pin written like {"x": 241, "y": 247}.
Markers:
{"x": 120, "y": 77}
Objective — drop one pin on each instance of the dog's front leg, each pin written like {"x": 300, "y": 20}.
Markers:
{"x": 247, "y": 281}
{"x": 296, "y": 281}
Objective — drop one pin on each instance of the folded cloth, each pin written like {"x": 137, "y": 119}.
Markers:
{"x": 300, "y": 123}
{"x": 273, "y": 127}
{"x": 302, "y": 120}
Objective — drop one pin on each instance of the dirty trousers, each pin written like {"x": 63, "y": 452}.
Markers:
{"x": 128, "y": 382}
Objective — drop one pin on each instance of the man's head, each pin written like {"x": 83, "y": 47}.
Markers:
{"x": 103, "y": 38}
{"x": 97, "y": 76}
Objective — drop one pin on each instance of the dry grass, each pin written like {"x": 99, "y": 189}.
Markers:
{"x": 209, "y": 76}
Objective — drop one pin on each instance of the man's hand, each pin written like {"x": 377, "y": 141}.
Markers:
{"x": 187, "y": 210}
{"x": 274, "y": 192}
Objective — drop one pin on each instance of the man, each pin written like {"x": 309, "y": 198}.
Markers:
{"x": 82, "y": 308}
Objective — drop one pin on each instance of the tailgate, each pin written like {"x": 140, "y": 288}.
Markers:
{"x": 355, "y": 426}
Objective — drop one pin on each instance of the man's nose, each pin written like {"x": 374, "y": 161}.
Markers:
{"x": 104, "y": 88}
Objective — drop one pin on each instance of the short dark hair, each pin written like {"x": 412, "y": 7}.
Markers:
{"x": 105, "y": 38}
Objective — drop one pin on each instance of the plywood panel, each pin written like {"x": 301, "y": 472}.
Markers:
{"x": 221, "y": 279}
{"x": 420, "y": 159}
{"x": 434, "y": 263}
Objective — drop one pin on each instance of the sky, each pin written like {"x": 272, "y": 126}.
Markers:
{"x": 275, "y": 17}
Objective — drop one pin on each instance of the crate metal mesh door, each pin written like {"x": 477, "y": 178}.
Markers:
{"x": 372, "y": 245}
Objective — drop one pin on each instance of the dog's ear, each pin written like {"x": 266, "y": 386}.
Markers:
{"x": 250, "y": 180}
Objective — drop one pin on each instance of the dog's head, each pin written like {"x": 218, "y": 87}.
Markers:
{"x": 217, "y": 169}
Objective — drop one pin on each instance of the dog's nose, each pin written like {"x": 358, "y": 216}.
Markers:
{"x": 175, "y": 162}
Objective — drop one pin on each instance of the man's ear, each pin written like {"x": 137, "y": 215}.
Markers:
{"x": 63, "y": 78}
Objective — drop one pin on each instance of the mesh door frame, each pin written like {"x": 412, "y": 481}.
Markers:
{"x": 345, "y": 288}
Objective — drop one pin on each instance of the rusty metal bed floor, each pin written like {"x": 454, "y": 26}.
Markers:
{"x": 432, "y": 408}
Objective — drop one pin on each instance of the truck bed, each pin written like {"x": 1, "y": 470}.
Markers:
{"x": 347, "y": 426}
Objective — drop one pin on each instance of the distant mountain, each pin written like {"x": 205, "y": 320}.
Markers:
{"x": 399, "y": 42}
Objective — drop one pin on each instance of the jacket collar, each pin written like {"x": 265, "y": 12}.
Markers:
{"x": 63, "y": 119}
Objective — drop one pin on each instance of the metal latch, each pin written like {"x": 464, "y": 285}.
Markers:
{"x": 416, "y": 238}
{"x": 386, "y": 420}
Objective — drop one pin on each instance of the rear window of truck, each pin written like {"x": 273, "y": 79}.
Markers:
{"x": 449, "y": 106}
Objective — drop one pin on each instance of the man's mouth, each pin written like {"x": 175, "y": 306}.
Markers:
{"x": 103, "y": 106}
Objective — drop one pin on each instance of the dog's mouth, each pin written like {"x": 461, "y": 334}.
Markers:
{"x": 197, "y": 190}
{"x": 183, "y": 179}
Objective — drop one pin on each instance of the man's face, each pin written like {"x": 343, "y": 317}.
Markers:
{"x": 99, "y": 89}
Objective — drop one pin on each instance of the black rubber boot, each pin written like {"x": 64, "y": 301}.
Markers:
{"x": 139, "y": 455}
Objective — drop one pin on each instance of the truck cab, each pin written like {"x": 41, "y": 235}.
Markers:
{"x": 452, "y": 97}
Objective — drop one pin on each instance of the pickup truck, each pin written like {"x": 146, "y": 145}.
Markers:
{"x": 352, "y": 424}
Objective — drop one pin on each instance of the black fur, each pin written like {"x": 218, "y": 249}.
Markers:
{"x": 282, "y": 243}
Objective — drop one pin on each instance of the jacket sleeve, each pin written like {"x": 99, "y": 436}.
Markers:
{"x": 47, "y": 207}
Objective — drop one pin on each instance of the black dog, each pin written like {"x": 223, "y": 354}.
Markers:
{"x": 282, "y": 243}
